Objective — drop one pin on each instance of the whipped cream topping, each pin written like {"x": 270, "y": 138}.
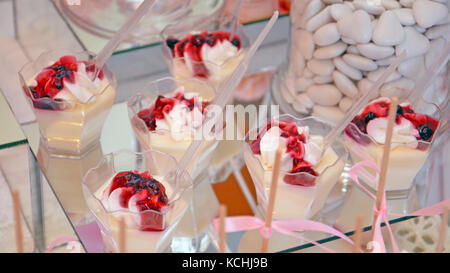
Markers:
{"x": 269, "y": 144}
{"x": 204, "y": 54}
{"x": 272, "y": 139}
{"x": 402, "y": 133}
{"x": 84, "y": 89}
{"x": 69, "y": 82}
{"x": 181, "y": 114}
{"x": 181, "y": 121}
{"x": 215, "y": 56}
{"x": 409, "y": 127}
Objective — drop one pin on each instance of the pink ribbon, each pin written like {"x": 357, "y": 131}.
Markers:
{"x": 72, "y": 243}
{"x": 381, "y": 214}
{"x": 287, "y": 227}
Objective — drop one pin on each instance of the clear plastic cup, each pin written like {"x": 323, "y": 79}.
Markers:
{"x": 148, "y": 230}
{"x": 215, "y": 73}
{"x": 162, "y": 139}
{"x": 405, "y": 159}
{"x": 295, "y": 201}
{"x": 69, "y": 127}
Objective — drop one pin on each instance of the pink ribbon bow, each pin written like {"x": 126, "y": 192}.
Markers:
{"x": 288, "y": 227}
{"x": 381, "y": 214}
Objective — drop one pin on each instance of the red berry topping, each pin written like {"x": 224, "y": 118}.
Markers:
{"x": 134, "y": 183}
{"x": 192, "y": 45}
{"x": 294, "y": 147}
{"x": 164, "y": 105}
{"x": 426, "y": 125}
{"x": 51, "y": 80}
{"x": 146, "y": 192}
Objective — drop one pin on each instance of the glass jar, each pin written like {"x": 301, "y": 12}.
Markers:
{"x": 339, "y": 48}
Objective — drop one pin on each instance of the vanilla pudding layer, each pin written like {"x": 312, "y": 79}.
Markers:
{"x": 137, "y": 240}
{"x": 404, "y": 163}
{"x": 295, "y": 201}
{"x": 74, "y": 130}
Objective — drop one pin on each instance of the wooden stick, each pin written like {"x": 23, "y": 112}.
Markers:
{"x": 442, "y": 230}
{"x": 18, "y": 221}
{"x": 222, "y": 233}
{"x": 122, "y": 236}
{"x": 272, "y": 195}
{"x": 385, "y": 158}
{"x": 358, "y": 233}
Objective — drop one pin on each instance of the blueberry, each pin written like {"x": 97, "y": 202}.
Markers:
{"x": 369, "y": 117}
{"x": 211, "y": 40}
{"x": 236, "y": 42}
{"x": 399, "y": 110}
{"x": 58, "y": 84}
{"x": 425, "y": 132}
{"x": 132, "y": 178}
{"x": 197, "y": 40}
{"x": 171, "y": 42}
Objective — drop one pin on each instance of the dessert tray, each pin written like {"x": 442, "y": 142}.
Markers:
{"x": 126, "y": 168}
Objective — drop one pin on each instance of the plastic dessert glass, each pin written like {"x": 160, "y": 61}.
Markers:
{"x": 69, "y": 127}
{"x": 405, "y": 158}
{"x": 214, "y": 71}
{"x": 148, "y": 230}
{"x": 296, "y": 201}
{"x": 163, "y": 139}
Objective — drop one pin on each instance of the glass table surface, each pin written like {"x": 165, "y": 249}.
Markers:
{"x": 134, "y": 67}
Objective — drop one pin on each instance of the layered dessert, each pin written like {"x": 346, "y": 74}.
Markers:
{"x": 208, "y": 56}
{"x": 307, "y": 173}
{"x": 146, "y": 191}
{"x": 143, "y": 202}
{"x": 70, "y": 106}
{"x": 170, "y": 123}
{"x": 411, "y": 139}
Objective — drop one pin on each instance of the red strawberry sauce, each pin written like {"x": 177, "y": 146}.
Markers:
{"x": 164, "y": 105}
{"x": 150, "y": 194}
{"x": 295, "y": 148}
{"x": 51, "y": 79}
{"x": 192, "y": 46}
{"x": 425, "y": 125}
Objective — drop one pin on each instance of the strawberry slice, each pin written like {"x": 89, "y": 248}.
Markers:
{"x": 304, "y": 176}
{"x": 69, "y": 62}
{"x": 43, "y": 77}
{"x": 379, "y": 107}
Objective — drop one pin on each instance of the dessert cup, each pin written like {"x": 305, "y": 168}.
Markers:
{"x": 165, "y": 140}
{"x": 214, "y": 71}
{"x": 406, "y": 158}
{"x": 148, "y": 230}
{"x": 70, "y": 126}
{"x": 297, "y": 201}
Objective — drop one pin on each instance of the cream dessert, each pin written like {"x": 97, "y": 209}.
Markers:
{"x": 144, "y": 204}
{"x": 308, "y": 173}
{"x": 70, "y": 107}
{"x": 411, "y": 139}
{"x": 206, "y": 56}
{"x": 170, "y": 124}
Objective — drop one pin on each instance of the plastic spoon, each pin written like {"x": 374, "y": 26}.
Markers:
{"x": 226, "y": 90}
{"x": 111, "y": 46}
{"x": 354, "y": 110}
{"x": 422, "y": 84}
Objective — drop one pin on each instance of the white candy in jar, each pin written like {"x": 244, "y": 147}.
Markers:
{"x": 346, "y": 46}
